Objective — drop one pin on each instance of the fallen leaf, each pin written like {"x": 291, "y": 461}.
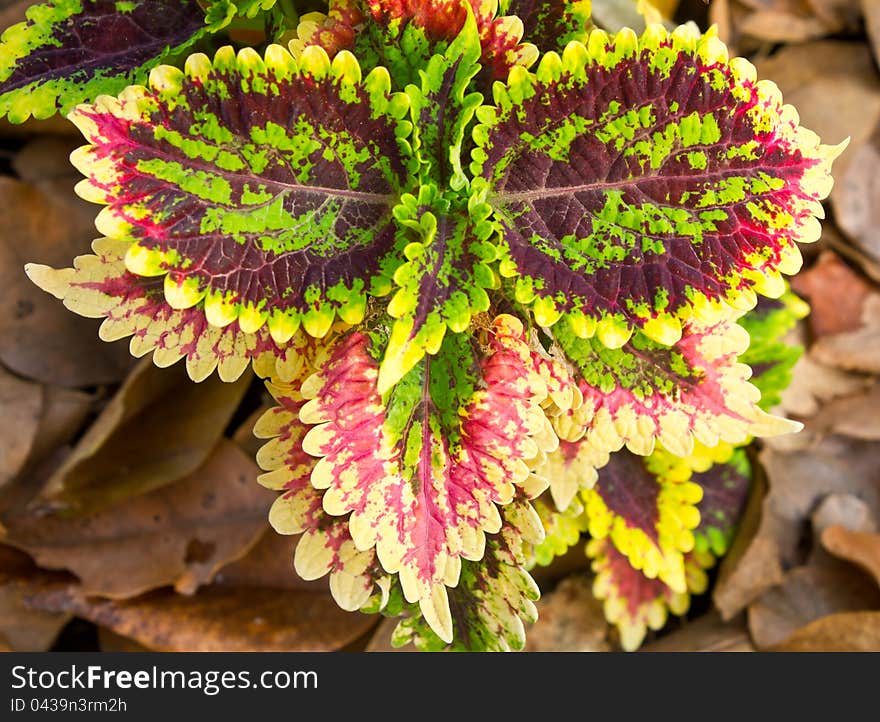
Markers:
{"x": 25, "y": 629}
{"x": 857, "y": 350}
{"x": 782, "y": 27}
{"x": 64, "y": 412}
{"x": 20, "y": 405}
{"x": 217, "y": 619}
{"x": 570, "y": 619}
{"x": 708, "y": 633}
{"x": 244, "y": 434}
{"x": 39, "y": 338}
{"x": 752, "y": 562}
{"x": 855, "y": 416}
{"x": 808, "y": 593}
{"x": 856, "y": 194}
{"x": 798, "y": 481}
{"x": 63, "y": 415}
{"x": 871, "y": 11}
{"x": 861, "y": 548}
{"x": 180, "y": 534}
{"x": 844, "y": 509}
{"x": 812, "y": 385}
{"x": 159, "y": 427}
{"x": 721, "y": 16}
{"x": 111, "y": 642}
{"x": 845, "y": 632}
{"x": 837, "y": 15}
{"x": 12, "y": 12}
{"x": 836, "y": 295}
{"x": 45, "y": 158}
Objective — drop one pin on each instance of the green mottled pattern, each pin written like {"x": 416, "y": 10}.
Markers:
{"x": 725, "y": 490}
{"x": 771, "y": 357}
{"x": 71, "y": 51}
{"x": 493, "y": 598}
{"x": 642, "y": 366}
{"x": 550, "y": 24}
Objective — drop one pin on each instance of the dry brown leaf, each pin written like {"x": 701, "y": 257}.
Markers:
{"x": 570, "y": 619}
{"x": 64, "y": 412}
{"x": 806, "y": 594}
{"x": 846, "y": 632}
{"x": 752, "y": 563}
{"x": 21, "y": 403}
{"x": 798, "y": 481}
{"x": 782, "y": 27}
{"x": 46, "y": 157}
{"x": 708, "y": 633}
{"x": 812, "y": 385}
{"x": 179, "y": 534}
{"x": 836, "y": 295}
{"x": 871, "y": 11}
{"x": 12, "y": 11}
{"x": 159, "y": 427}
{"x": 856, "y": 416}
{"x": 217, "y": 619}
{"x": 857, "y": 350}
{"x": 856, "y": 194}
{"x": 809, "y": 74}
{"x": 862, "y": 548}
{"x": 837, "y": 15}
{"x": 721, "y": 16}
{"x": 25, "y": 629}
{"x": 111, "y": 642}
{"x": 845, "y": 509}
{"x": 39, "y": 338}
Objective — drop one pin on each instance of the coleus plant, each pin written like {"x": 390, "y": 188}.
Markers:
{"x": 481, "y": 251}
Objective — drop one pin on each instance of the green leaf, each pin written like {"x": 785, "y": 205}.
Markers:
{"x": 423, "y": 468}
{"x": 493, "y": 597}
{"x": 260, "y": 189}
{"x": 99, "y": 286}
{"x": 551, "y": 24}
{"x": 643, "y": 392}
{"x": 769, "y": 355}
{"x": 562, "y": 531}
{"x": 404, "y": 36}
{"x": 71, "y": 51}
{"x": 640, "y": 182}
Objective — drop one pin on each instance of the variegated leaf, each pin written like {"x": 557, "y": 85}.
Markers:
{"x": 634, "y": 603}
{"x": 647, "y": 507}
{"x": 71, "y": 51}
{"x": 443, "y": 282}
{"x": 260, "y": 189}
{"x": 422, "y": 468}
{"x": 99, "y": 286}
{"x": 642, "y": 182}
{"x": 551, "y": 24}
{"x": 494, "y": 596}
{"x": 403, "y": 34}
{"x": 725, "y": 488}
{"x": 645, "y": 392}
{"x": 562, "y": 530}
{"x": 569, "y": 469}
{"x": 326, "y": 546}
